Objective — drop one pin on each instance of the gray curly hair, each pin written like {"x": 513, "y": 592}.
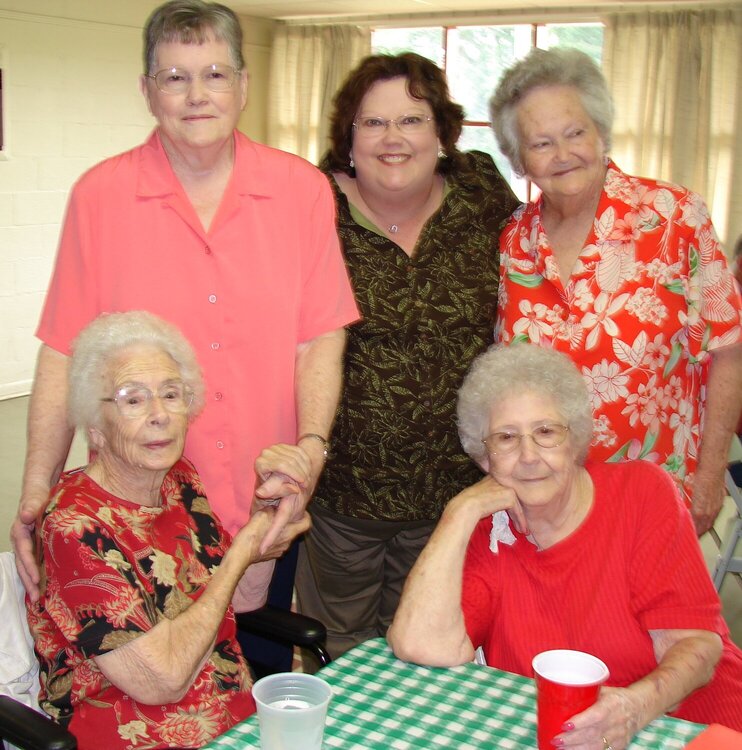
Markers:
{"x": 503, "y": 371}
{"x": 558, "y": 66}
{"x": 110, "y": 334}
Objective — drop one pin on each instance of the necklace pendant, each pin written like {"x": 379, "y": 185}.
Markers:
{"x": 394, "y": 229}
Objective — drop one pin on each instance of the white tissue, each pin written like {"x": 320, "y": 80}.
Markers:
{"x": 500, "y": 530}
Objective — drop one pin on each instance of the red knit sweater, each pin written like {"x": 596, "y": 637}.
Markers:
{"x": 633, "y": 565}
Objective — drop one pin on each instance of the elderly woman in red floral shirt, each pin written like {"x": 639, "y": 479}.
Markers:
{"x": 624, "y": 274}
{"x": 134, "y": 628}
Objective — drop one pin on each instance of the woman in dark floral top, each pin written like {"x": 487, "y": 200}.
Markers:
{"x": 134, "y": 628}
{"x": 419, "y": 222}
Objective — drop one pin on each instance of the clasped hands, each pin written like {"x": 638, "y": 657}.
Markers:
{"x": 287, "y": 475}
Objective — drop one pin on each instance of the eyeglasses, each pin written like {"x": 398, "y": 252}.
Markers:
{"x": 545, "y": 436}
{"x": 215, "y": 77}
{"x": 375, "y": 126}
{"x": 135, "y": 400}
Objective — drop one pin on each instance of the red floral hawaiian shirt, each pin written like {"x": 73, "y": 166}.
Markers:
{"x": 650, "y": 295}
{"x": 113, "y": 570}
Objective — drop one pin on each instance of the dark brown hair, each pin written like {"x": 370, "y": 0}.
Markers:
{"x": 425, "y": 80}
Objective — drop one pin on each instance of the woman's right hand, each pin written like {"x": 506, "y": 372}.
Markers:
{"x": 250, "y": 537}
{"x": 486, "y": 497}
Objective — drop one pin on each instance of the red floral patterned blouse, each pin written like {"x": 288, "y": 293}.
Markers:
{"x": 650, "y": 295}
{"x": 113, "y": 570}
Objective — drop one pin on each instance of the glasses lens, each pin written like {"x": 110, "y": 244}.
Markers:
{"x": 132, "y": 401}
{"x": 502, "y": 442}
{"x": 173, "y": 80}
{"x": 549, "y": 435}
{"x": 176, "y": 397}
{"x": 412, "y": 123}
{"x": 218, "y": 77}
{"x": 371, "y": 126}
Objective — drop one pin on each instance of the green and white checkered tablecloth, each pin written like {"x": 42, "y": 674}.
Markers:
{"x": 381, "y": 703}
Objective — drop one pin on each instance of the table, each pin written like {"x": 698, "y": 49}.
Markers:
{"x": 382, "y": 703}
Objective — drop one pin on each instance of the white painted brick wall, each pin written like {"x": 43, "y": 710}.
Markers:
{"x": 71, "y": 99}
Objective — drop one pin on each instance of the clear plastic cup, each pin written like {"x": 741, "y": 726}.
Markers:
{"x": 292, "y": 708}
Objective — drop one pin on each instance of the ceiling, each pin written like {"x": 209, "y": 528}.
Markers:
{"x": 296, "y": 9}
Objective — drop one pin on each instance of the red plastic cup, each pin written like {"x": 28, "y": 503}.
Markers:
{"x": 567, "y": 682}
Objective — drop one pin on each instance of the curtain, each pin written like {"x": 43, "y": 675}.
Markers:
{"x": 308, "y": 64}
{"x": 676, "y": 80}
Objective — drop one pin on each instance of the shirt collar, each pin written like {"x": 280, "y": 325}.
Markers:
{"x": 156, "y": 176}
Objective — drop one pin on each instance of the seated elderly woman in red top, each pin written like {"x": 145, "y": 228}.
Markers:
{"x": 134, "y": 628}
{"x": 549, "y": 552}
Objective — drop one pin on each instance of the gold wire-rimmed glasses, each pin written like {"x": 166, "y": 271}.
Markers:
{"x": 216, "y": 77}
{"x": 371, "y": 127}
{"x": 549, "y": 435}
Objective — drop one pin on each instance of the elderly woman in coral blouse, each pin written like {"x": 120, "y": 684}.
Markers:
{"x": 624, "y": 274}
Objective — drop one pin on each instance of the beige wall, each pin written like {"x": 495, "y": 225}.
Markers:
{"x": 71, "y": 98}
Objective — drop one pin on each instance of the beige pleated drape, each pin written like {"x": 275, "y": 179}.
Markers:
{"x": 308, "y": 64}
{"x": 676, "y": 80}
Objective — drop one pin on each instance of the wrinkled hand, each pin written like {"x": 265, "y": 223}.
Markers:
{"x": 288, "y": 476}
{"x": 23, "y": 539}
{"x": 614, "y": 717}
{"x": 254, "y": 533}
{"x": 708, "y": 497}
{"x": 488, "y": 496}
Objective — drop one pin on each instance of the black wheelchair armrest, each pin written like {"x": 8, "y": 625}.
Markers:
{"x": 288, "y": 627}
{"x": 30, "y": 730}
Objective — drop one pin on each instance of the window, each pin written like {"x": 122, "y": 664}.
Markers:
{"x": 474, "y": 58}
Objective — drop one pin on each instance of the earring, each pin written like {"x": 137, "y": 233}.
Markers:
{"x": 352, "y": 163}
{"x": 441, "y": 153}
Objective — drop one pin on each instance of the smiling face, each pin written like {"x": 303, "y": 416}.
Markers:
{"x": 539, "y": 476}
{"x": 560, "y": 147}
{"x": 140, "y": 449}
{"x": 395, "y": 161}
{"x": 198, "y": 118}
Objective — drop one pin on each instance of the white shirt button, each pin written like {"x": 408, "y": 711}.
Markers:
{"x": 219, "y": 444}
{"x": 215, "y": 345}
{"x": 212, "y": 298}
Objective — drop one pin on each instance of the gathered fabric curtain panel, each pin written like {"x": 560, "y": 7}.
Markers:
{"x": 676, "y": 80}
{"x": 308, "y": 64}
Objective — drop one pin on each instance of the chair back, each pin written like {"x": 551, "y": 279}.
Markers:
{"x": 19, "y": 669}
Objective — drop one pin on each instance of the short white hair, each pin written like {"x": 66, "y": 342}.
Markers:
{"x": 558, "y": 66}
{"x": 504, "y": 371}
{"x": 110, "y": 334}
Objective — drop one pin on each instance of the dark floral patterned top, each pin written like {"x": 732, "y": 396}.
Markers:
{"x": 395, "y": 450}
{"x": 113, "y": 570}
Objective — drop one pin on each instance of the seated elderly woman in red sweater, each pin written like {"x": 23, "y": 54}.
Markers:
{"x": 549, "y": 552}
